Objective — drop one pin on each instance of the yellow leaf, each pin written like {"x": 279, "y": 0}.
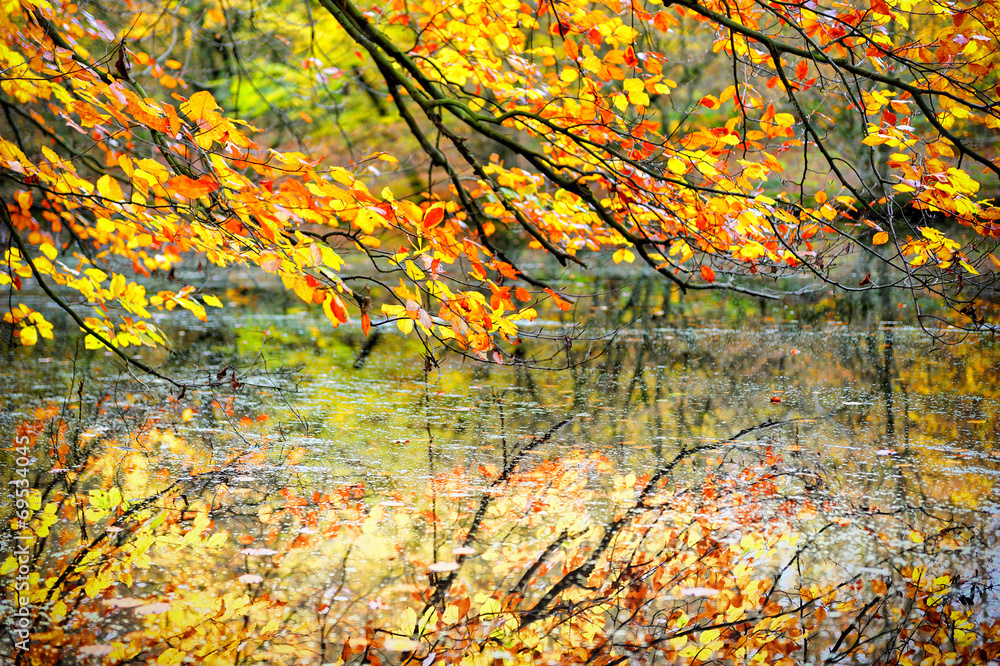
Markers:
{"x": 708, "y": 636}
{"x": 676, "y": 166}
{"x": 880, "y": 238}
{"x": 623, "y": 254}
{"x": 969, "y": 267}
{"x": 109, "y": 188}
{"x": 407, "y": 621}
{"x": 405, "y": 325}
{"x": 212, "y": 300}
{"x": 105, "y": 226}
{"x": 639, "y": 98}
{"x": 365, "y": 221}
{"x": 412, "y": 271}
{"x": 199, "y": 106}
{"x": 48, "y": 250}
{"x": 29, "y": 336}
{"x": 390, "y": 310}
{"x": 784, "y": 119}
{"x": 117, "y": 286}
{"x": 634, "y": 85}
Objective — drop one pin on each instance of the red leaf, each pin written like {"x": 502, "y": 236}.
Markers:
{"x": 433, "y": 217}
{"x": 630, "y": 58}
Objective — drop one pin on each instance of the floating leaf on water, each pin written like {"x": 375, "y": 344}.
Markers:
{"x": 440, "y": 567}
{"x": 463, "y": 550}
{"x": 97, "y": 649}
{"x": 699, "y": 592}
{"x": 259, "y": 551}
{"x": 128, "y": 602}
{"x": 885, "y": 452}
{"x": 401, "y": 644}
{"x": 152, "y": 609}
{"x": 250, "y": 578}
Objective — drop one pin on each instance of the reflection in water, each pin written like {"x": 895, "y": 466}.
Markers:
{"x": 694, "y": 495}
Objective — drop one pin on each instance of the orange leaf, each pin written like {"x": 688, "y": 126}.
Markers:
{"x": 707, "y": 274}
{"x": 570, "y": 49}
{"x": 433, "y": 217}
{"x": 560, "y": 303}
{"x": 522, "y": 294}
{"x": 366, "y": 323}
{"x": 190, "y": 188}
{"x": 880, "y": 238}
{"x": 270, "y": 262}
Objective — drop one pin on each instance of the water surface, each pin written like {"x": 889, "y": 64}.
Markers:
{"x": 791, "y": 492}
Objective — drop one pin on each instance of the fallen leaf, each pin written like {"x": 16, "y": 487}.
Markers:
{"x": 440, "y": 567}
{"x": 152, "y": 609}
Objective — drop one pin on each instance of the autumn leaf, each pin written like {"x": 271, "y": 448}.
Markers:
{"x": 433, "y": 217}
{"x": 200, "y": 106}
{"x": 190, "y": 188}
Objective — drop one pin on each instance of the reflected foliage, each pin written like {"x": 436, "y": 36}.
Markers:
{"x": 660, "y": 506}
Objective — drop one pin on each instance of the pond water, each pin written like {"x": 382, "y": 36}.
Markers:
{"x": 777, "y": 493}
